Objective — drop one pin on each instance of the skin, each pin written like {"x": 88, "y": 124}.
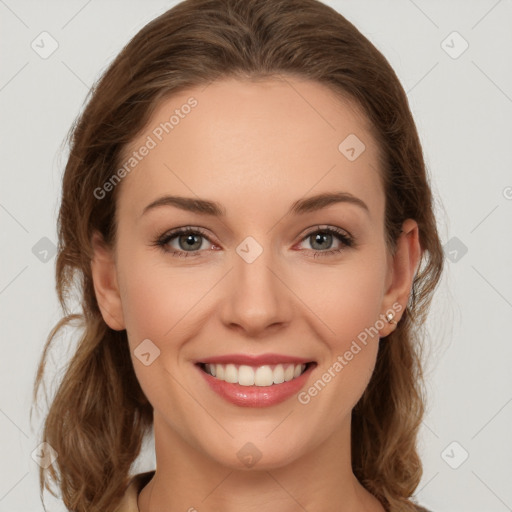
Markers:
{"x": 254, "y": 147}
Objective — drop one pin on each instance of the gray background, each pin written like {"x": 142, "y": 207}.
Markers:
{"x": 462, "y": 103}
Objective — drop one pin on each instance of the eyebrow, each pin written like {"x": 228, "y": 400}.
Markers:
{"x": 301, "y": 206}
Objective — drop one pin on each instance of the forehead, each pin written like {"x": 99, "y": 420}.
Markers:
{"x": 243, "y": 142}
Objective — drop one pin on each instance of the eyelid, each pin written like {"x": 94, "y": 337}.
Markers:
{"x": 328, "y": 228}
{"x": 185, "y": 229}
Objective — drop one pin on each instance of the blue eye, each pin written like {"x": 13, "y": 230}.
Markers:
{"x": 325, "y": 236}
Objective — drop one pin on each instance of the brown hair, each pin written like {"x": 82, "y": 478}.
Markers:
{"x": 99, "y": 415}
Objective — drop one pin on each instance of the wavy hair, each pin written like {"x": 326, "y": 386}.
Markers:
{"x": 99, "y": 415}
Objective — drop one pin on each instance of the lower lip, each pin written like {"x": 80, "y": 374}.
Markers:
{"x": 256, "y": 396}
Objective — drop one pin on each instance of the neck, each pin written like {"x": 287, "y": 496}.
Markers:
{"x": 187, "y": 479}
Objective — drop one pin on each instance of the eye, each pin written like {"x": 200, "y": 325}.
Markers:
{"x": 322, "y": 239}
{"x": 187, "y": 242}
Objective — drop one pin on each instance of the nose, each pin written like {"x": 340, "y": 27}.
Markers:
{"x": 256, "y": 298}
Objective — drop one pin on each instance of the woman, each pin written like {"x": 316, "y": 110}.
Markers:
{"x": 247, "y": 216}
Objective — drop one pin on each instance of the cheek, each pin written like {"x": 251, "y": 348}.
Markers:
{"x": 144, "y": 305}
{"x": 346, "y": 298}
{"x": 349, "y": 302}
{"x": 158, "y": 305}
{"x": 155, "y": 296}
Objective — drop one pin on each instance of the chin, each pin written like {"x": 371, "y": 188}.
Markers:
{"x": 258, "y": 454}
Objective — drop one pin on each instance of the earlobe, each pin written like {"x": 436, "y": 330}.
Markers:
{"x": 404, "y": 265}
{"x": 106, "y": 288}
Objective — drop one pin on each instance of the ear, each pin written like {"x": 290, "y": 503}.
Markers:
{"x": 104, "y": 277}
{"x": 402, "y": 269}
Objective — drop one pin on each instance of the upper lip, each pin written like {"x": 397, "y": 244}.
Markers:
{"x": 254, "y": 360}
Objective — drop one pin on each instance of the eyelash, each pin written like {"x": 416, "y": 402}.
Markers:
{"x": 163, "y": 240}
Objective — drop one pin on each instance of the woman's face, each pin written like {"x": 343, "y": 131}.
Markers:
{"x": 267, "y": 272}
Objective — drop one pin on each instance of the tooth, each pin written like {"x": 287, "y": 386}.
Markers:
{"x": 263, "y": 376}
{"x": 231, "y": 374}
{"x": 245, "y": 376}
{"x": 288, "y": 373}
{"x": 278, "y": 374}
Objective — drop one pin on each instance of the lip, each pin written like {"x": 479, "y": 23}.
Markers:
{"x": 254, "y": 360}
{"x": 256, "y": 396}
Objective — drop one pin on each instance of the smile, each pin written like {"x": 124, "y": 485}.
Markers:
{"x": 245, "y": 375}
{"x": 249, "y": 380}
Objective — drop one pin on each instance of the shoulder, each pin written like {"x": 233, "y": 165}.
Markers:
{"x": 135, "y": 485}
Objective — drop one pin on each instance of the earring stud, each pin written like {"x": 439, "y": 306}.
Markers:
{"x": 390, "y": 317}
